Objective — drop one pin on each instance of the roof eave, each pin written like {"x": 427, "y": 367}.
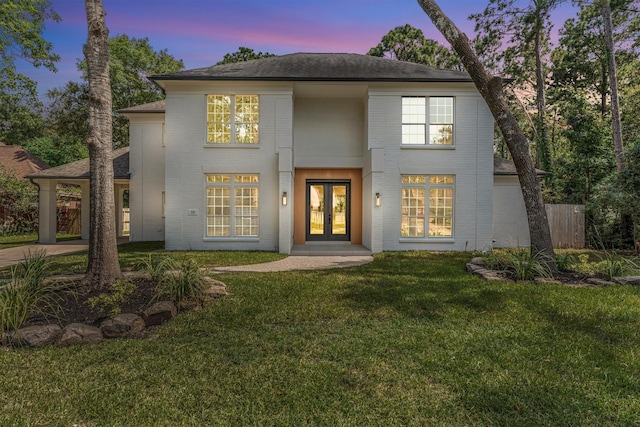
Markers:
{"x": 309, "y": 79}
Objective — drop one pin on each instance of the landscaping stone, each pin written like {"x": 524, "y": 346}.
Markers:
{"x": 36, "y": 336}
{"x": 473, "y": 267}
{"x": 79, "y": 333}
{"x": 628, "y": 280}
{"x": 215, "y": 288}
{"x": 547, "y": 280}
{"x": 598, "y": 282}
{"x": 159, "y": 313}
{"x": 477, "y": 261}
{"x": 490, "y": 275}
{"x": 122, "y": 325}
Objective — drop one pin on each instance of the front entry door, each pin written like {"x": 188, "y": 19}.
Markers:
{"x": 328, "y": 210}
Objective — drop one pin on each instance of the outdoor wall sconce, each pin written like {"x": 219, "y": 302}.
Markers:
{"x": 378, "y": 201}
{"x": 284, "y": 198}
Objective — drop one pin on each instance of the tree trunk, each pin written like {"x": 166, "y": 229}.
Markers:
{"x": 103, "y": 268}
{"x": 543, "y": 135}
{"x": 613, "y": 84}
{"x": 491, "y": 90}
{"x": 626, "y": 220}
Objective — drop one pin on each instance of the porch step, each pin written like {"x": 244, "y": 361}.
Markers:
{"x": 330, "y": 249}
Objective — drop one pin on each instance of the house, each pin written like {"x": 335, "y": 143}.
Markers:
{"x": 294, "y": 152}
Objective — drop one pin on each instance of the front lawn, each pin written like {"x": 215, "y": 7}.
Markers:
{"x": 12, "y": 240}
{"x": 132, "y": 253}
{"x": 410, "y": 339}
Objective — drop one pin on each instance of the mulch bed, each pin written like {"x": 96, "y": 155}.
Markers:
{"x": 74, "y": 308}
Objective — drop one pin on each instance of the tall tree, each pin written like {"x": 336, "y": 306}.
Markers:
{"x": 103, "y": 268}
{"x": 407, "y": 43}
{"x": 613, "y": 84}
{"x": 243, "y": 54}
{"x": 514, "y": 39}
{"x": 20, "y": 108}
{"x": 131, "y": 60}
{"x": 490, "y": 87}
{"x": 604, "y": 34}
{"x": 21, "y": 25}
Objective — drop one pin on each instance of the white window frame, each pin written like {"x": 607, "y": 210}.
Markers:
{"x": 427, "y": 184}
{"x": 240, "y": 216}
{"x": 234, "y": 125}
{"x": 420, "y": 116}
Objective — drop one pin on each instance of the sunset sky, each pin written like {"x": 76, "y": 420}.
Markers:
{"x": 200, "y": 32}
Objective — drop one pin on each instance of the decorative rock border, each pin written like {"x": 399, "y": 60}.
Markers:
{"x": 477, "y": 267}
{"x": 122, "y": 325}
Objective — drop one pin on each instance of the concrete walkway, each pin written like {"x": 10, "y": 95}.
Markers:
{"x": 299, "y": 263}
{"x": 15, "y": 255}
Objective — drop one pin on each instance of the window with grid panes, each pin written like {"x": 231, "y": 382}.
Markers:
{"x": 427, "y": 206}
{"x": 427, "y": 120}
{"x": 232, "y": 205}
{"x": 233, "y": 119}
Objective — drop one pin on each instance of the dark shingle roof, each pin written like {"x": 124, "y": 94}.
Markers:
{"x": 80, "y": 168}
{"x": 320, "y": 67}
{"x": 151, "y": 107}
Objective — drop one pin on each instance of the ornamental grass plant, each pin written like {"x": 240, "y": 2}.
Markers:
{"x": 28, "y": 293}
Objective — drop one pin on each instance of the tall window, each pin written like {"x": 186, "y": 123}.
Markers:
{"x": 232, "y": 205}
{"x": 427, "y": 206}
{"x": 233, "y": 119}
{"x": 420, "y": 111}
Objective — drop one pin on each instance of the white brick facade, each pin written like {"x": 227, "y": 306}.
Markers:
{"x": 315, "y": 127}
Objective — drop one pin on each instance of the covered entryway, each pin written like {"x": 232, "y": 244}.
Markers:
{"x": 327, "y": 211}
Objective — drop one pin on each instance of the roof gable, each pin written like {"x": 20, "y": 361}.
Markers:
{"x": 320, "y": 67}
{"x": 80, "y": 168}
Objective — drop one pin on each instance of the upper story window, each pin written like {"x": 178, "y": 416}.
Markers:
{"x": 233, "y": 119}
{"x": 427, "y": 120}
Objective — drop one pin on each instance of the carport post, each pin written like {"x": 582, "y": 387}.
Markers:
{"x": 47, "y": 222}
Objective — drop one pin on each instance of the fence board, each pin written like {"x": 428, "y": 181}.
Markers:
{"x": 566, "y": 223}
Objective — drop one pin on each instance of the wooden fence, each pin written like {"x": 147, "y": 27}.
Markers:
{"x": 566, "y": 223}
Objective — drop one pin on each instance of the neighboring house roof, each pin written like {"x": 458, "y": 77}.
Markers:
{"x": 151, "y": 107}
{"x": 80, "y": 168}
{"x": 320, "y": 67}
{"x": 507, "y": 167}
{"x": 19, "y": 162}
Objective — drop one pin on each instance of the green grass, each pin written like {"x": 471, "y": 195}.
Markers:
{"x": 12, "y": 240}
{"x": 410, "y": 339}
{"x": 130, "y": 255}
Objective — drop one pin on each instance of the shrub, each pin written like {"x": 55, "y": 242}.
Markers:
{"x": 184, "y": 280}
{"x": 28, "y": 293}
{"x": 113, "y": 300}
{"x": 18, "y": 204}
{"x": 518, "y": 264}
{"x": 156, "y": 266}
{"x": 614, "y": 265}
{"x": 565, "y": 261}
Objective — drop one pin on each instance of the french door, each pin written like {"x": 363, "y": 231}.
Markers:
{"x": 328, "y": 210}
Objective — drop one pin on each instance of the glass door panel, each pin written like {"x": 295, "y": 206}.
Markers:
{"x": 327, "y": 211}
{"x": 316, "y": 209}
{"x": 339, "y": 209}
